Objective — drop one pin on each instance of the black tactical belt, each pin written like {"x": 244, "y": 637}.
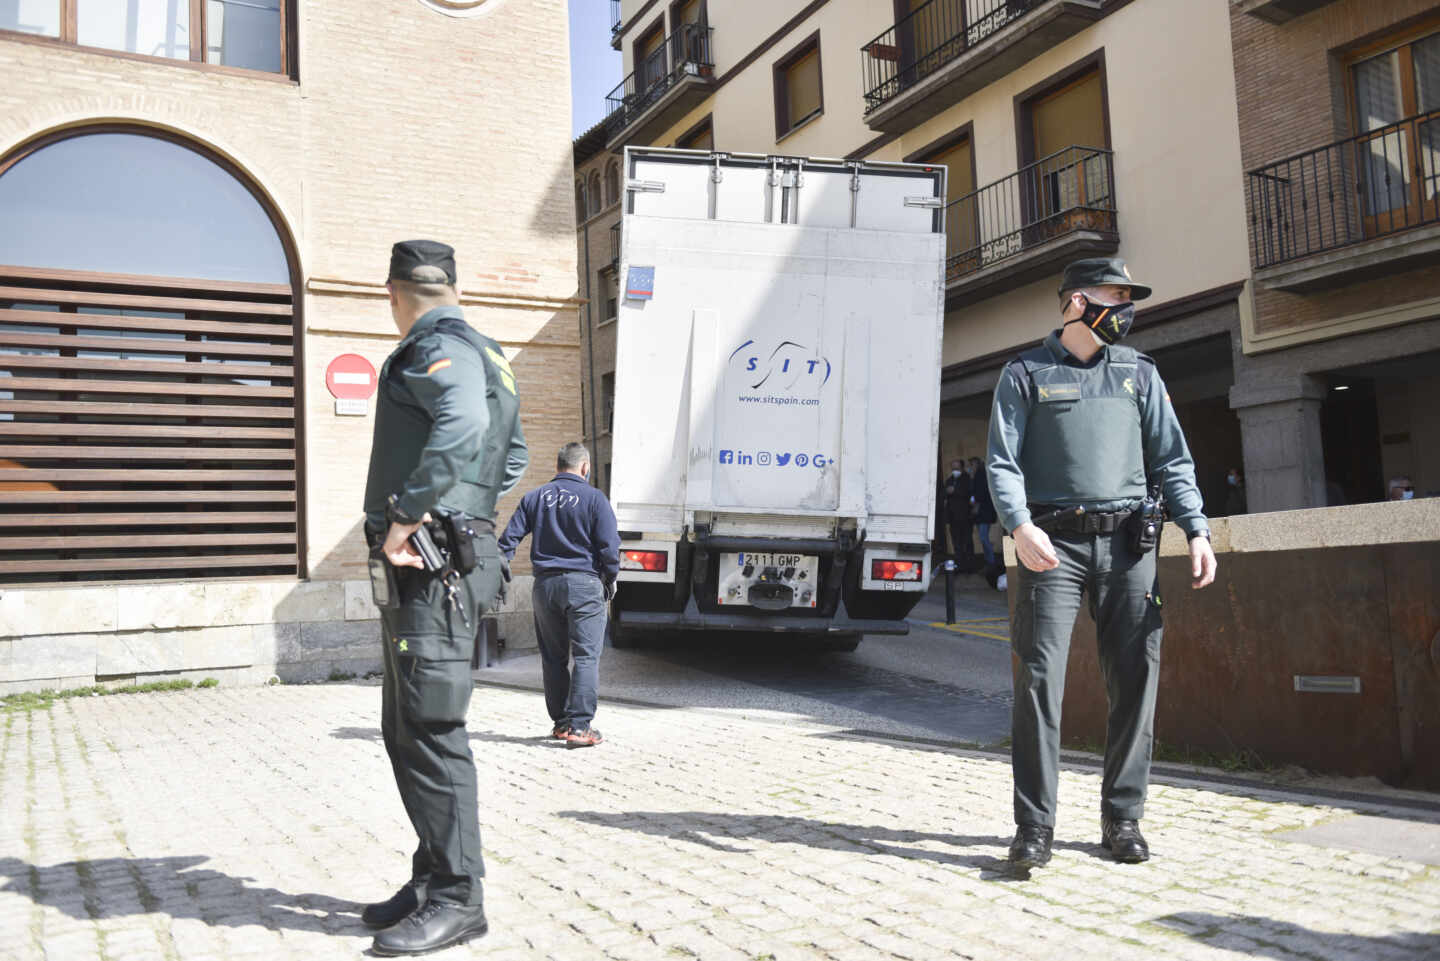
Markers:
{"x": 1073, "y": 522}
{"x": 477, "y": 524}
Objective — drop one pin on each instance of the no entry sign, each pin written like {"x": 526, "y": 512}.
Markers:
{"x": 350, "y": 377}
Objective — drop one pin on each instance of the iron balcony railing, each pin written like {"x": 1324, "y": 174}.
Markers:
{"x": 1376, "y": 183}
{"x": 1072, "y": 189}
{"x": 685, "y": 53}
{"x": 927, "y": 39}
{"x": 616, "y": 21}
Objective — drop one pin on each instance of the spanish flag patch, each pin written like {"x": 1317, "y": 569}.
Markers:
{"x": 438, "y": 365}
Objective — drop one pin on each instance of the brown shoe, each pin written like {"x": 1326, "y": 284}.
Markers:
{"x": 586, "y": 737}
{"x": 560, "y": 731}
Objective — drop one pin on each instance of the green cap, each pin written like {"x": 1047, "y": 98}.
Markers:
{"x": 422, "y": 262}
{"x": 1099, "y": 271}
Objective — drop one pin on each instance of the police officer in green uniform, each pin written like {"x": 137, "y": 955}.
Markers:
{"x": 447, "y": 445}
{"x": 1083, "y": 422}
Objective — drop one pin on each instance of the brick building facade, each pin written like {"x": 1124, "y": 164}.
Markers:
{"x": 1332, "y": 387}
{"x": 402, "y": 122}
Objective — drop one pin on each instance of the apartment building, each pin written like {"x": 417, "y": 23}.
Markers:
{"x": 1070, "y": 128}
{"x": 198, "y": 202}
{"x": 1339, "y": 110}
{"x": 597, "y": 225}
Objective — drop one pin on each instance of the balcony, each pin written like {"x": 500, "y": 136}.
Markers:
{"x": 1279, "y": 11}
{"x": 665, "y": 86}
{"x": 1364, "y": 207}
{"x": 1029, "y": 224}
{"x": 948, "y": 49}
{"x": 617, "y": 21}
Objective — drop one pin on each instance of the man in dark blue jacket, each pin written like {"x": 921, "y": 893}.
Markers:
{"x": 575, "y": 554}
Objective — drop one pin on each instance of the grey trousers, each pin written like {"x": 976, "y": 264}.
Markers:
{"x": 425, "y": 697}
{"x": 570, "y": 625}
{"x": 1116, "y": 582}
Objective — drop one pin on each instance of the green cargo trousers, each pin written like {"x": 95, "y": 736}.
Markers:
{"x": 426, "y": 694}
{"x": 1116, "y": 581}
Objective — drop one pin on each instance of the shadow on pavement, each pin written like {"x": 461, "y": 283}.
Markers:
{"x": 1282, "y": 940}
{"x": 713, "y": 829}
{"x": 373, "y": 734}
{"x": 177, "y": 886}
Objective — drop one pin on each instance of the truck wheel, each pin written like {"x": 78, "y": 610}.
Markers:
{"x": 840, "y": 643}
{"x": 620, "y": 639}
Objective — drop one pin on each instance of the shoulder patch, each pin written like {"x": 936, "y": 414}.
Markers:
{"x": 507, "y": 376}
{"x": 440, "y": 364}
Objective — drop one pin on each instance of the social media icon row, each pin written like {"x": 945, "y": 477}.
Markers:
{"x": 765, "y": 458}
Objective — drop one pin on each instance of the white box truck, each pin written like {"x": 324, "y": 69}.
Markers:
{"x": 777, "y": 393}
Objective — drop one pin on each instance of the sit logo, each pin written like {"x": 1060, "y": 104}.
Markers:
{"x": 790, "y": 368}
{"x": 557, "y": 497}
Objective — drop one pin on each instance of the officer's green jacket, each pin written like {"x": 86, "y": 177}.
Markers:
{"x": 447, "y": 427}
{"x": 1068, "y": 433}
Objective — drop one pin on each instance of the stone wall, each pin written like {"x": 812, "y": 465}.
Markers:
{"x": 1345, "y": 593}
{"x": 242, "y": 632}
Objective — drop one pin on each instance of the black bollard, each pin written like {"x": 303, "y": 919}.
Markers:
{"x": 950, "y": 592}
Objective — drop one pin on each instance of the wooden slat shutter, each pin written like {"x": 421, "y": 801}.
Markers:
{"x": 147, "y": 428}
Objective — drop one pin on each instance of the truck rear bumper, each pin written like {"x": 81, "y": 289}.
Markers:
{"x": 699, "y": 621}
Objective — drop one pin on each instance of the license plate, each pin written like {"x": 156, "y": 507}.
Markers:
{"x": 773, "y": 571}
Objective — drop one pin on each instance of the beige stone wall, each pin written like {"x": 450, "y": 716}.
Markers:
{"x": 404, "y": 123}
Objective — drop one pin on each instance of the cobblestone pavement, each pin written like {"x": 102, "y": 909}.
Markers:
{"x": 247, "y": 823}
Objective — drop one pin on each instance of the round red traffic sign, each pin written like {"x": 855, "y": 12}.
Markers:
{"x": 350, "y": 376}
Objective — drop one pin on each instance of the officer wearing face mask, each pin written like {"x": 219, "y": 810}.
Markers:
{"x": 1084, "y": 422}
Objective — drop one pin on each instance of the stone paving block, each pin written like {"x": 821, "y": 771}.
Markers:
{"x": 57, "y": 611}
{"x": 42, "y": 660}
{"x": 360, "y": 602}
{"x": 331, "y": 640}
{"x": 307, "y": 601}
{"x": 275, "y": 644}
{"x": 221, "y": 760}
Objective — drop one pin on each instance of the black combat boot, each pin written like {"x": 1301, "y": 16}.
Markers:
{"x": 1122, "y": 838}
{"x": 439, "y": 924}
{"x": 1031, "y": 847}
{"x": 382, "y": 914}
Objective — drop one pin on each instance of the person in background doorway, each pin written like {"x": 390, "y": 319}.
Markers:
{"x": 984, "y": 509}
{"x": 1234, "y": 492}
{"x": 957, "y": 513}
{"x": 1400, "y": 489}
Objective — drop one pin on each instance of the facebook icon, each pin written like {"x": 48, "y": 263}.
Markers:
{"x": 727, "y": 457}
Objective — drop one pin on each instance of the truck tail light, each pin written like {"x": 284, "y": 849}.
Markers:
{"x": 895, "y": 570}
{"x": 653, "y": 561}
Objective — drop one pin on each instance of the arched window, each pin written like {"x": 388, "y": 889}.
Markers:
{"x": 593, "y": 188}
{"x": 580, "y": 210}
{"x": 147, "y": 359}
{"x": 612, "y": 183}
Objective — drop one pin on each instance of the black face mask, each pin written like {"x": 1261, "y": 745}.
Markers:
{"x": 1109, "y": 322}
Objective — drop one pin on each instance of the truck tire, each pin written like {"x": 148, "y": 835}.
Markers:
{"x": 840, "y": 643}
{"x": 620, "y": 638}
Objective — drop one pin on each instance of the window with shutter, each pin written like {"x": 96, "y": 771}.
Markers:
{"x": 799, "y": 94}
{"x": 147, "y": 367}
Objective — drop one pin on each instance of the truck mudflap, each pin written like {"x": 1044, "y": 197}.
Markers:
{"x": 693, "y": 619}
